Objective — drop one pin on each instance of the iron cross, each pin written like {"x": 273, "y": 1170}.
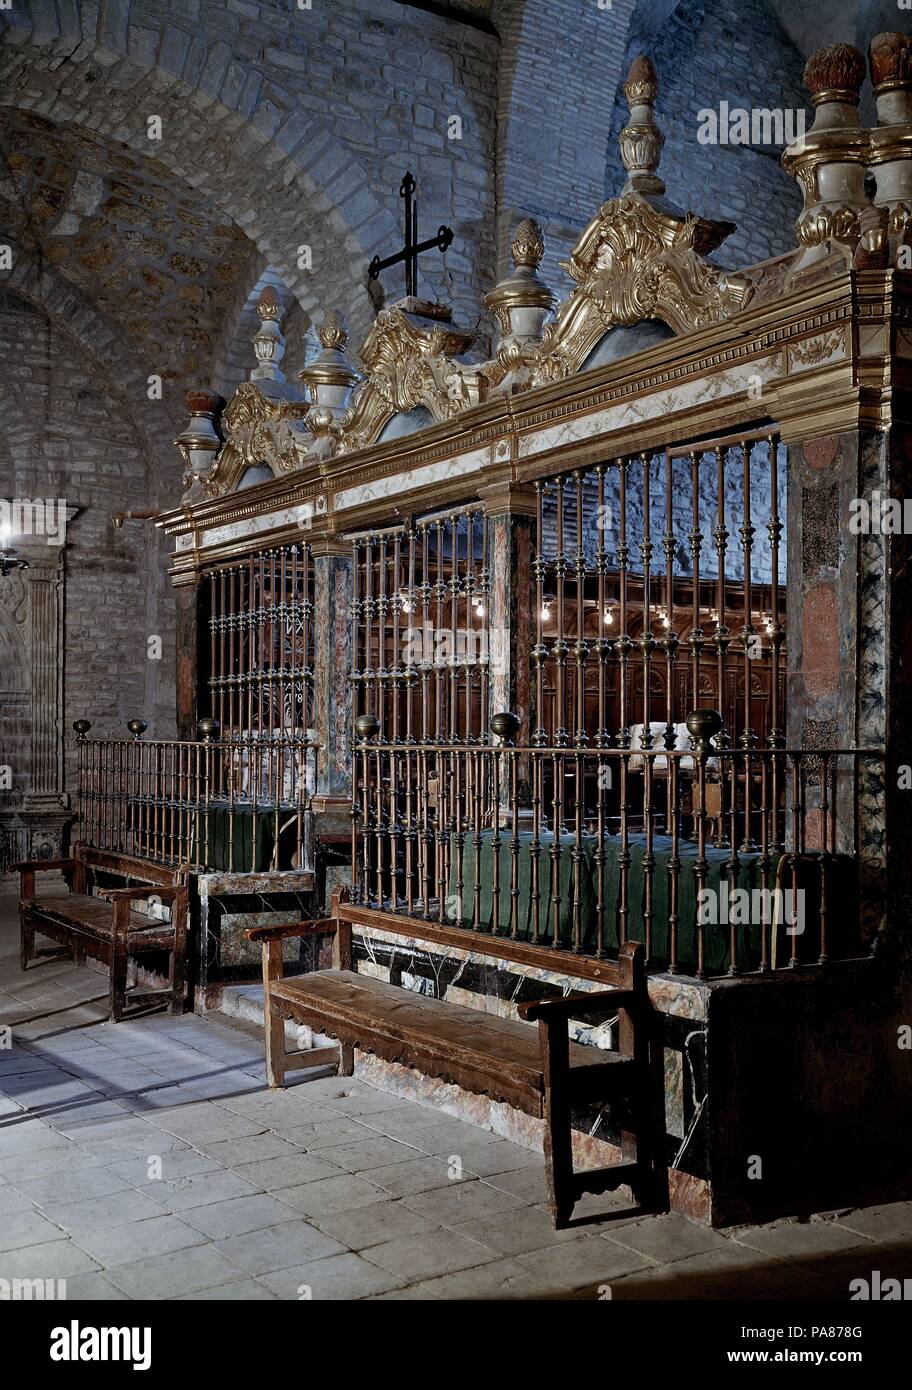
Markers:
{"x": 412, "y": 248}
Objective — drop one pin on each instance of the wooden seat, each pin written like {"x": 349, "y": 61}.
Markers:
{"x": 104, "y": 925}
{"x": 540, "y": 1072}
{"x": 94, "y": 915}
{"x": 441, "y": 1039}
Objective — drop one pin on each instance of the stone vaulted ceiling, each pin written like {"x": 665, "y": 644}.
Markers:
{"x": 152, "y": 256}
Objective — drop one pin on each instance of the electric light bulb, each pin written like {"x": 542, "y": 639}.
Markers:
{"x": 545, "y": 613}
{"x": 609, "y": 617}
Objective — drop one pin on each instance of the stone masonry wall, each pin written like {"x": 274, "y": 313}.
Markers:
{"x": 77, "y": 441}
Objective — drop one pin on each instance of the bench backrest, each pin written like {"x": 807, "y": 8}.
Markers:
{"x": 128, "y": 866}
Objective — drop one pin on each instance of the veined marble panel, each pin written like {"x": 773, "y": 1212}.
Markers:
{"x": 378, "y": 488}
{"x": 301, "y": 515}
{"x": 658, "y": 404}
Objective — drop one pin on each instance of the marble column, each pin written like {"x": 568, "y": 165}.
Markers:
{"x": 332, "y": 569}
{"x": 511, "y": 512}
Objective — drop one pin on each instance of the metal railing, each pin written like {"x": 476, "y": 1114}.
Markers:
{"x": 722, "y": 860}
{"x": 238, "y": 805}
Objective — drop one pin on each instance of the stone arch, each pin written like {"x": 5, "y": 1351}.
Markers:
{"x": 92, "y": 78}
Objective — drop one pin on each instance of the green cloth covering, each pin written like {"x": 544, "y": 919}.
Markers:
{"x": 841, "y": 897}
{"x": 244, "y": 861}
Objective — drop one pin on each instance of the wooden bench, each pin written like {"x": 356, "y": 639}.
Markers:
{"x": 103, "y": 925}
{"x": 539, "y": 1072}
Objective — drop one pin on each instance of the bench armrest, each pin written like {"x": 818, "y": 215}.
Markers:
{"x": 600, "y": 1001}
{"x": 149, "y": 891}
{"x": 24, "y": 865}
{"x": 320, "y": 926}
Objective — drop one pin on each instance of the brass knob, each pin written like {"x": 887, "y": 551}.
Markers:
{"x": 137, "y": 727}
{"x": 81, "y": 727}
{"x": 505, "y": 725}
{"x": 367, "y": 727}
{"x": 703, "y": 725}
{"x": 208, "y": 729}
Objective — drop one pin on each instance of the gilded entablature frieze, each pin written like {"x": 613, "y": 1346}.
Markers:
{"x": 637, "y": 261}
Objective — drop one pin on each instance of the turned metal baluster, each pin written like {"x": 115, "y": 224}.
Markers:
{"x": 557, "y": 810}
{"x": 702, "y": 724}
{"x": 514, "y": 846}
{"x": 369, "y": 672}
{"x": 484, "y": 580}
{"x": 411, "y": 671}
{"x": 459, "y": 834}
{"x": 476, "y": 844}
{"x": 539, "y": 653}
{"x": 439, "y": 656}
{"x": 424, "y": 664}
{"x": 796, "y": 848}
{"x": 472, "y": 602}
{"x": 673, "y": 867}
{"x": 670, "y": 640}
{"x": 734, "y": 864}
{"x": 454, "y": 588}
{"x": 560, "y": 649}
{"x": 777, "y": 634}
{"x": 622, "y": 643}
{"x": 722, "y": 636}
{"x": 396, "y": 605}
{"x": 383, "y": 672}
{"x": 647, "y": 641}
{"x": 535, "y": 847}
{"x": 424, "y": 834}
{"x": 696, "y": 541}
{"x": 763, "y": 863}
{"x": 600, "y": 647}
{"x": 602, "y": 782}
{"x": 580, "y": 650}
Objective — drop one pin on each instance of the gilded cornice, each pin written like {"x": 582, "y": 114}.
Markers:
{"x": 808, "y": 348}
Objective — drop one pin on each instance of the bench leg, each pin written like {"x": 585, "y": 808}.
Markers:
{"x": 555, "y": 1051}
{"x": 178, "y": 970}
{"x": 275, "y": 1023}
{"x": 342, "y": 960}
{"x": 118, "y": 984}
{"x": 26, "y": 940}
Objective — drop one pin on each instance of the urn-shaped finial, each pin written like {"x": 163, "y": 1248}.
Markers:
{"x": 890, "y": 59}
{"x": 641, "y": 140}
{"x": 329, "y": 380}
{"x": 268, "y": 342}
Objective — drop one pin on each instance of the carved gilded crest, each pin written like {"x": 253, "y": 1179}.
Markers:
{"x": 407, "y": 356}
{"x": 636, "y": 261}
{"x": 259, "y": 430}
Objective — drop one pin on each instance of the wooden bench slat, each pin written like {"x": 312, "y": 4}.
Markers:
{"x": 459, "y": 1038}
{"x": 95, "y": 914}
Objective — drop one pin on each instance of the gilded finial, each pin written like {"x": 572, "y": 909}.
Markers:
{"x": 835, "y": 74}
{"x": 890, "y": 56}
{"x": 528, "y": 245}
{"x": 268, "y": 306}
{"x": 333, "y": 331}
{"x": 642, "y": 85}
{"x": 641, "y": 140}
